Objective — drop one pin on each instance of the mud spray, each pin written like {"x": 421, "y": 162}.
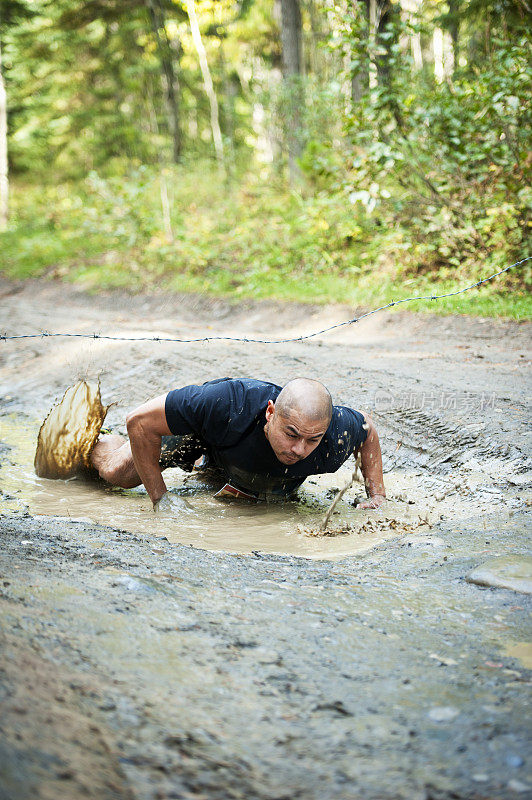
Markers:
{"x": 69, "y": 432}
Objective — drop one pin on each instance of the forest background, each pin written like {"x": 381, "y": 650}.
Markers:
{"x": 356, "y": 151}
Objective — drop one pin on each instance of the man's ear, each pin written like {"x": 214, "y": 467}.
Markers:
{"x": 270, "y": 408}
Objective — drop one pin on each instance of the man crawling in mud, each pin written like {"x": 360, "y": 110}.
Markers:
{"x": 260, "y": 440}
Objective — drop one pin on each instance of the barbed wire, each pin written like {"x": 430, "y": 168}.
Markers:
{"x": 252, "y": 340}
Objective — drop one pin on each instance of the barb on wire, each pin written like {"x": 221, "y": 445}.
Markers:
{"x": 252, "y": 340}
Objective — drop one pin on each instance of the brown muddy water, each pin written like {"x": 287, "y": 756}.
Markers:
{"x": 197, "y": 518}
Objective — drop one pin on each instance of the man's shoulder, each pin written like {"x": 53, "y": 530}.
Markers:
{"x": 243, "y": 392}
{"x": 255, "y": 384}
{"x": 220, "y": 410}
{"x": 343, "y": 415}
{"x": 240, "y": 399}
{"x": 245, "y": 383}
{"x": 347, "y": 430}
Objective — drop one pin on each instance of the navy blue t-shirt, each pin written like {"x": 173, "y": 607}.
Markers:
{"x": 229, "y": 416}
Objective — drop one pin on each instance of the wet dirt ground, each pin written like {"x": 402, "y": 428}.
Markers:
{"x": 133, "y": 666}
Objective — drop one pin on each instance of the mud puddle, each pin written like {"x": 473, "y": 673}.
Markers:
{"x": 197, "y": 518}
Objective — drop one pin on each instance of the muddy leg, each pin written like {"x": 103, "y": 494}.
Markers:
{"x": 112, "y": 457}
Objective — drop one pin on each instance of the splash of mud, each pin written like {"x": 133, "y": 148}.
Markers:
{"x": 69, "y": 432}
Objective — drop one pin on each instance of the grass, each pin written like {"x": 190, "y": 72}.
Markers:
{"x": 248, "y": 239}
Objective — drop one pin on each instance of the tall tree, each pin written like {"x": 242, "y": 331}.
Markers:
{"x": 368, "y": 38}
{"x": 387, "y": 17}
{"x": 291, "y": 59}
{"x": 158, "y": 22}
{"x": 453, "y": 26}
{"x": 10, "y": 11}
{"x": 357, "y": 54}
{"x": 4, "y": 186}
{"x": 291, "y": 37}
{"x": 207, "y": 81}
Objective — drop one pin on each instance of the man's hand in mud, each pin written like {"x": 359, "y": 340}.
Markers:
{"x": 163, "y": 503}
{"x": 171, "y": 504}
{"x": 373, "y": 502}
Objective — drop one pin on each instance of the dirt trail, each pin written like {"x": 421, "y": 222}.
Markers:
{"x": 136, "y": 667}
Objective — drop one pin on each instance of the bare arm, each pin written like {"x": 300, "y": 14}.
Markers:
{"x": 371, "y": 466}
{"x": 145, "y": 426}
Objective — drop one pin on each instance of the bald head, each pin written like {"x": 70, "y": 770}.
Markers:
{"x": 307, "y": 398}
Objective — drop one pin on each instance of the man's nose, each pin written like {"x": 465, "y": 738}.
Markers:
{"x": 299, "y": 447}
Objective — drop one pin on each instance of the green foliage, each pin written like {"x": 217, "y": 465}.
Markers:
{"x": 447, "y": 161}
{"x": 313, "y": 128}
{"x": 247, "y": 239}
{"x": 405, "y": 186}
{"x": 86, "y": 87}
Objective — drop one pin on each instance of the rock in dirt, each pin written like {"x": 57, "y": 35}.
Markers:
{"x": 518, "y": 786}
{"x": 505, "y": 572}
{"x": 514, "y": 761}
{"x": 443, "y": 713}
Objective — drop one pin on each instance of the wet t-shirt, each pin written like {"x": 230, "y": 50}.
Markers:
{"x": 229, "y": 416}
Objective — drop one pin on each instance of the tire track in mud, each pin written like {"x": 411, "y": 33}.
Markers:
{"x": 437, "y": 444}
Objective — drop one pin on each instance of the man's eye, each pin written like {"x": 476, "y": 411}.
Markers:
{"x": 292, "y": 436}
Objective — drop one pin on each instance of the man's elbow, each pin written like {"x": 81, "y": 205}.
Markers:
{"x": 149, "y": 419}
{"x": 135, "y": 423}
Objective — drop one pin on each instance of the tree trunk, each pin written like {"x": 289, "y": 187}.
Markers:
{"x": 386, "y": 39}
{"x": 358, "y": 88}
{"x": 360, "y": 48}
{"x": 372, "y": 43}
{"x": 410, "y": 10}
{"x": 4, "y": 186}
{"x": 417, "y": 53}
{"x": 207, "y": 82}
{"x": 165, "y": 55}
{"x": 291, "y": 37}
{"x": 291, "y": 53}
{"x": 437, "y": 47}
{"x": 454, "y": 28}
{"x": 228, "y": 108}
{"x": 313, "y": 40}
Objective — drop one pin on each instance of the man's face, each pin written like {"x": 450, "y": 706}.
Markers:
{"x": 293, "y": 438}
